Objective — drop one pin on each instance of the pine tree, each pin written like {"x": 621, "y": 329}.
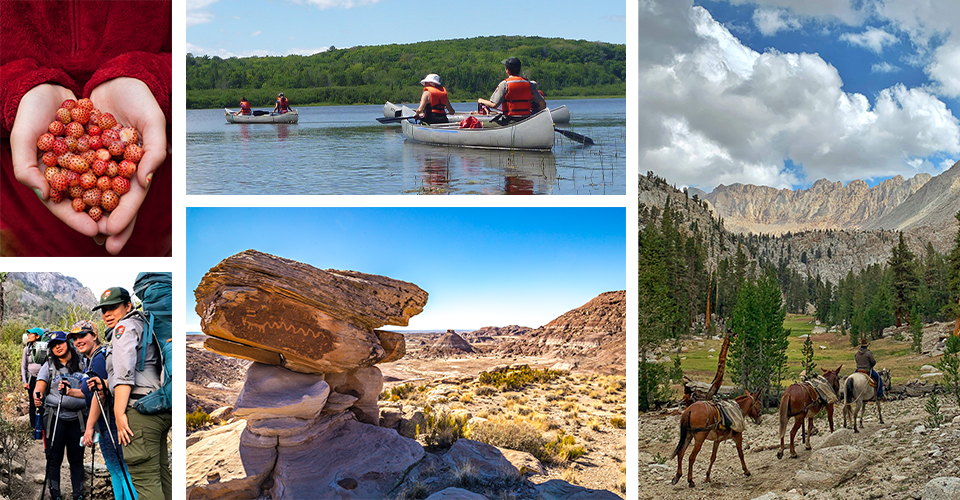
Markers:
{"x": 808, "y": 364}
{"x": 950, "y": 366}
{"x": 758, "y": 352}
{"x": 906, "y": 282}
{"x": 654, "y": 312}
{"x": 916, "y": 330}
{"x": 953, "y": 308}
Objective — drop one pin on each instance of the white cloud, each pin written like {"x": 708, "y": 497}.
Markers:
{"x": 226, "y": 54}
{"x": 770, "y": 21}
{"x": 196, "y": 14}
{"x": 255, "y": 33}
{"x": 331, "y": 4}
{"x": 873, "y": 39}
{"x": 945, "y": 68}
{"x": 884, "y": 67}
{"x": 716, "y": 112}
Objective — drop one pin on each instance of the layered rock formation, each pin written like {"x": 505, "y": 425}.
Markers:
{"x": 592, "y": 336}
{"x": 450, "y": 344}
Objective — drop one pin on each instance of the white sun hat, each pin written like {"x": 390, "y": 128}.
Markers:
{"x": 431, "y": 78}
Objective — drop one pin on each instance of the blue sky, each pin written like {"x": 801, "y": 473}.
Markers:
{"x": 244, "y": 28}
{"x": 481, "y": 266}
{"x": 786, "y": 92}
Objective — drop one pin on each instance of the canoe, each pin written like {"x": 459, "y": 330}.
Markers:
{"x": 560, "y": 114}
{"x": 534, "y": 133}
{"x": 461, "y": 170}
{"x": 289, "y": 117}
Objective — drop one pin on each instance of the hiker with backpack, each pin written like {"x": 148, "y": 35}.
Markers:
{"x": 135, "y": 370}
{"x": 85, "y": 339}
{"x": 34, "y": 356}
{"x": 64, "y": 412}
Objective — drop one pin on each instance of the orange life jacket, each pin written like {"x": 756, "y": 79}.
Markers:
{"x": 284, "y": 104}
{"x": 244, "y": 108}
{"x": 518, "y": 99}
{"x": 438, "y": 99}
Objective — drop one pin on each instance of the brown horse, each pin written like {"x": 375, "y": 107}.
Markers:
{"x": 700, "y": 422}
{"x": 802, "y": 402}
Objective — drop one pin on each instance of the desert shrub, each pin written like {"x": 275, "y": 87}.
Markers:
{"x": 441, "y": 428}
{"x": 197, "y": 419}
{"x": 561, "y": 449}
{"x": 618, "y": 422}
{"x": 594, "y": 424}
{"x": 510, "y": 434}
{"x": 396, "y": 393}
{"x": 553, "y": 396}
{"x": 518, "y": 378}
{"x": 415, "y": 491}
{"x": 569, "y": 475}
{"x": 467, "y": 398}
{"x": 570, "y": 407}
{"x": 485, "y": 390}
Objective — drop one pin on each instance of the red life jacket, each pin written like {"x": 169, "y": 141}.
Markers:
{"x": 518, "y": 99}
{"x": 284, "y": 104}
{"x": 438, "y": 99}
{"x": 244, "y": 108}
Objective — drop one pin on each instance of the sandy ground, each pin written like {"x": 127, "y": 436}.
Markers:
{"x": 901, "y": 458}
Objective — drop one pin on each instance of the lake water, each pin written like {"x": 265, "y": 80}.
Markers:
{"x": 344, "y": 150}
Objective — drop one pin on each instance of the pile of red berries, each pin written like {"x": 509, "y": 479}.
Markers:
{"x": 90, "y": 158}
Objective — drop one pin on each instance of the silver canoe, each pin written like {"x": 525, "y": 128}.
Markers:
{"x": 289, "y": 117}
{"x": 534, "y": 133}
{"x": 390, "y": 110}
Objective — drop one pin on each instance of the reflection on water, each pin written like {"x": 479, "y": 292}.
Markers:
{"x": 343, "y": 150}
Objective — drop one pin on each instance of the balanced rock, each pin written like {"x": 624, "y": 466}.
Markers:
{"x": 275, "y": 392}
{"x": 365, "y": 384}
{"x": 316, "y": 321}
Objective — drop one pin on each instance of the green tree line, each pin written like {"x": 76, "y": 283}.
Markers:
{"x": 469, "y": 68}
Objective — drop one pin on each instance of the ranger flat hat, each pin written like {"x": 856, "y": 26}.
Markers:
{"x": 112, "y": 296}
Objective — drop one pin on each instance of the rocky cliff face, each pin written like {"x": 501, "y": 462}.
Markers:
{"x": 24, "y": 292}
{"x": 592, "y": 336}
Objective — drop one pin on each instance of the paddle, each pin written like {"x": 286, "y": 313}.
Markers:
{"x": 395, "y": 119}
{"x": 582, "y": 139}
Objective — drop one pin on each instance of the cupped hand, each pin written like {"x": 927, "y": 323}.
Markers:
{"x": 132, "y": 104}
{"x": 37, "y": 109}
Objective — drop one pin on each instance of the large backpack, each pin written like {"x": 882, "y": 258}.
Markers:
{"x": 155, "y": 292}
{"x": 39, "y": 350}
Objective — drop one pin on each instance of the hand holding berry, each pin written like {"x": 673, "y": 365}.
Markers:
{"x": 132, "y": 103}
{"x": 36, "y": 109}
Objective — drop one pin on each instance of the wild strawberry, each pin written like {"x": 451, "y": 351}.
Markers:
{"x": 75, "y": 130}
{"x": 45, "y": 142}
{"x": 64, "y": 159}
{"x": 93, "y": 129}
{"x": 56, "y": 196}
{"x": 78, "y": 205}
{"x": 50, "y": 172}
{"x": 80, "y": 115}
{"x": 129, "y": 136}
{"x": 133, "y": 153}
{"x": 68, "y": 104}
{"x": 59, "y": 182}
{"x": 49, "y": 159}
{"x": 88, "y": 180}
{"x": 71, "y": 143}
{"x": 116, "y": 148}
{"x": 63, "y": 116}
{"x": 73, "y": 178}
{"x": 86, "y": 104}
{"x": 95, "y": 213}
{"x": 109, "y": 200}
{"x": 112, "y": 169}
{"x": 92, "y": 197}
{"x": 89, "y": 156}
{"x": 75, "y": 192}
{"x": 60, "y": 147}
{"x": 95, "y": 142}
{"x": 83, "y": 143}
{"x": 99, "y": 167}
{"x": 106, "y": 120}
{"x": 120, "y": 185}
{"x": 77, "y": 164}
{"x": 56, "y": 128}
{"x": 127, "y": 169}
{"x": 103, "y": 154}
{"x": 94, "y": 116}
{"x": 104, "y": 183}
{"x": 109, "y": 135}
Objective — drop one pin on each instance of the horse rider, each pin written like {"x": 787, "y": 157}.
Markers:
{"x": 865, "y": 364}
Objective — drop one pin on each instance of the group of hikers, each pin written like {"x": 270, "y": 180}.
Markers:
{"x": 81, "y": 389}
{"x": 515, "y": 96}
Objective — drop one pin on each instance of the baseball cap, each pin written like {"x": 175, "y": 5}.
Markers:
{"x": 112, "y": 296}
{"x": 81, "y": 328}
{"x": 511, "y": 62}
{"x": 57, "y": 337}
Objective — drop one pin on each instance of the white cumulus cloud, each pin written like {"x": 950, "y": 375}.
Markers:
{"x": 884, "y": 67}
{"x": 770, "y": 21}
{"x": 196, "y": 13}
{"x": 874, "y": 39}
{"x": 716, "y": 111}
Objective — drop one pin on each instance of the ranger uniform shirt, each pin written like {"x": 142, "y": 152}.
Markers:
{"x": 122, "y": 363}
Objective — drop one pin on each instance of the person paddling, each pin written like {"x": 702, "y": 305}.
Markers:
{"x": 283, "y": 105}
{"x": 865, "y": 364}
{"x": 434, "y": 102}
{"x": 518, "y": 96}
{"x": 244, "y": 107}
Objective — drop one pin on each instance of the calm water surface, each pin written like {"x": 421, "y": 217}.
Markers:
{"x": 344, "y": 150}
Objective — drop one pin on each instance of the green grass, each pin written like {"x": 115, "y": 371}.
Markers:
{"x": 904, "y": 365}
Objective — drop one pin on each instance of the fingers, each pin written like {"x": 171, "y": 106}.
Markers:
{"x": 116, "y": 242}
{"x": 154, "y": 150}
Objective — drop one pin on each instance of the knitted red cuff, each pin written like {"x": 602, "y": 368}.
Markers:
{"x": 18, "y": 78}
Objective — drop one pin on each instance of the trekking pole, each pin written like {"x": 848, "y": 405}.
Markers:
{"x": 116, "y": 449}
{"x": 53, "y": 436}
{"x": 46, "y": 452}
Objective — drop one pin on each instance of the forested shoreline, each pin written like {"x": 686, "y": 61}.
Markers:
{"x": 469, "y": 68}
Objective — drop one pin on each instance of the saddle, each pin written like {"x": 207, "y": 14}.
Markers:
{"x": 729, "y": 416}
{"x": 873, "y": 383}
{"x": 822, "y": 390}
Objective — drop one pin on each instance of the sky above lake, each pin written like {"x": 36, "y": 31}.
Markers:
{"x": 480, "y": 266}
{"x": 785, "y": 92}
{"x": 244, "y": 28}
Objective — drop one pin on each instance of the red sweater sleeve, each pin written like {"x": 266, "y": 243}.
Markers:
{"x": 154, "y": 70}
{"x": 18, "y": 78}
